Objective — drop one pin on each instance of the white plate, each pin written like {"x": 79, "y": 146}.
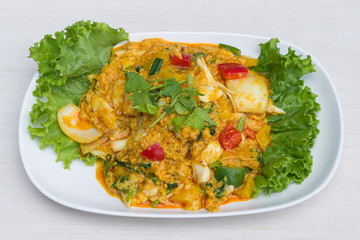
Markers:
{"x": 77, "y": 188}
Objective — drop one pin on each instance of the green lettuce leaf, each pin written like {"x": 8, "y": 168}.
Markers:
{"x": 64, "y": 61}
{"x": 289, "y": 158}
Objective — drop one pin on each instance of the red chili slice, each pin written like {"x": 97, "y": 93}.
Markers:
{"x": 250, "y": 133}
{"x": 232, "y": 70}
{"x": 185, "y": 62}
{"x": 230, "y": 137}
{"x": 154, "y": 152}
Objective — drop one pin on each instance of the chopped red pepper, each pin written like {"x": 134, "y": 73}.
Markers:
{"x": 185, "y": 62}
{"x": 154, "y": 152}
{"x": 250, "y": 133}
{"x": 232, "y": 70}
{"x": 230, "y": 137}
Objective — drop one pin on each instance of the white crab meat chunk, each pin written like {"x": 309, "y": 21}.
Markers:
{"x": 207, "y": 85}
{"x": 251, "y": 93}
{"x": 211, "y": 153}
{"x": 118, "y": 145}
{"x": 229, "y": 189}
{"x": 201, "y": 173}
{"x": 118, "y": 93}
{"x": 78, "y": 130}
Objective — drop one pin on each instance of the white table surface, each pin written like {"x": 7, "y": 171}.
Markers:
{"x": 329, "y": 30}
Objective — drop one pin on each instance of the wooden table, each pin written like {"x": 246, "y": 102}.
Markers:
{"x": 329, "y": 30}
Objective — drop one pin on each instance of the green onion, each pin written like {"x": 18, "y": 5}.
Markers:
{"x": 146, "y": 166}
{"x": 190, "y": 79}
{"x": 155, "y": 67}
{"x": 138, "y": 69}
{"x": 241, "y": 124}
{"x": 106, "y": 170}
{"x": 171, "y": 186}
{"x": 198, "y": 55}
{"x": 215, "y": 164}
{"x": 232, "y": 49}
{"x": 128, "y": 196}
{"x": 199, "y": 137}
{"x": 162, "y": 79}
{"x": 154, "y": 203}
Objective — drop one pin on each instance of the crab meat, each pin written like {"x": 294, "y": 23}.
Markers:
{"x": 211, "y": 153}
{"x": 207, "y": 85}
{"x": 103, "y": 110}
{"x": 77, "y": 129}
{"x": 118, "y": 145}
{"x": 118, "y": 93}
{"x": 201, "y": 173}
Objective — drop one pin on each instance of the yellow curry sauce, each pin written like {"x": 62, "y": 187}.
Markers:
{"x": 184, "y": 178}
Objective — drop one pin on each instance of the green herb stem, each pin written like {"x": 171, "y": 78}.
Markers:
{"x": 241, "y": 124}
{"x": 231, "y": 49}
{"x": 215, "y": 164}
{"x": 158, "y": 119}
{"x": 190, "y": 79}
{"x": 154, "y": 203}
{"x": 128, "y": 196}
{"x": 162, "y": 79}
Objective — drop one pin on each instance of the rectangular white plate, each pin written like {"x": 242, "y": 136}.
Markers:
{"x": 77, "y": 188}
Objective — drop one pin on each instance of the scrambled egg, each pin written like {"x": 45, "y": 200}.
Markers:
{"x": 155, "y": 166}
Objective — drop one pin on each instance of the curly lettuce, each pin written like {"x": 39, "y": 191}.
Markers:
{"x": 293, "y": 134}
{"x": 64, "y": 61}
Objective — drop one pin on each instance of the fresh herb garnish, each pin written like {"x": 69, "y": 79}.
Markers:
{"x": 199, "y": 137}
{"x": 190, "y": 79}
{"x": 220, "y": 191}
{"x": 144, "y": 98}
{"x": 146, "y": 166}
{"x": 156, "y": 66}
{"x": 128, "y": 196}
{"x": 172, "y": 186}
{"x": 107, "y": 160}
{"x": 234, "y": 176}
{"x": 154, "y": 203}
{"x": 135, "y": 82}
{"x": 162, "y": 79}
{"x": 240, "y": 126}
{"x": 195, "y": 119}
{"x": 232, "y": 49}
{"x": 197, "y": 55}
{"x": 141, "y": 98}
{"x": 138, "y": 69}
{"x": 215, "y": 164}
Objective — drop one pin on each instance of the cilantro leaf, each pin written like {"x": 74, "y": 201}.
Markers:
{"x": 196, "y": 119}
{"x": 171, "y": 87}
{"x": 178, "y": 122}
{"x": 135, "y": 82}
{"x": 143, "y": 102}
